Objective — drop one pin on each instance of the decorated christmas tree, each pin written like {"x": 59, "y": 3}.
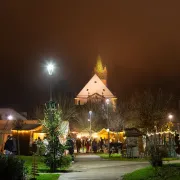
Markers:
{"x": 52, "y": 126}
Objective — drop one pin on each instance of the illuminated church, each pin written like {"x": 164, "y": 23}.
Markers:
{"x": 96, "y": 89}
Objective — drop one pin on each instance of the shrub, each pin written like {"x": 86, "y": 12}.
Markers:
{"x": 12, "y": 168}
{"x": 65, "y": 161}
{"x": 156, "y": 155}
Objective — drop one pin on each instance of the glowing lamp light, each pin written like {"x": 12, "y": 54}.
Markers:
{"x": 107, "y": 130}
{"x": 89, "y": 120}
{"x": 107, "y": 101}
{"x": 170, "y": 116}
{"x": 50, "y": 68}
{"x": 10, "y": 117}
{"x": 90, "y": 112}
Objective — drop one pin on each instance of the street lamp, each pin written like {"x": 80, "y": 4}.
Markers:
{"x": 170, "y": 117}
{"x": 10, "y": 117}
{"x": 107, "y": 102}
{"x": 50, "y": 68}
{"x": 90, "y": 114}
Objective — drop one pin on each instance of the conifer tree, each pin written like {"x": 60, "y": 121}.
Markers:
{"x": 52, "y": 125}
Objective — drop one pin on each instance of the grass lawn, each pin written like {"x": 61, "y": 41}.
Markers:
{"x": 118, "y": 157}
{"x": 168, "y": 172}
{"x": 49, "y": 176}
{"x": 42, "y": 168}
{"x": 40, "y": 161}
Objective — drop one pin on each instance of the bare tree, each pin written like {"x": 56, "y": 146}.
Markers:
{"x": 148, "y": 110}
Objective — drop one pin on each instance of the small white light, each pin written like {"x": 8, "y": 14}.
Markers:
{"x": 90, "y": 112}
{"x": 10, "y": 117}
{"x": 89, "y": 120}
{"x": 107, "y": 130}
{"x": 170, "y": 116}
{"x": 107, "y": 101}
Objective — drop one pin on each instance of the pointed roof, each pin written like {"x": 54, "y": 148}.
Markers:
{"x": 95, "y": 85}
{"x": 99, "y": 66}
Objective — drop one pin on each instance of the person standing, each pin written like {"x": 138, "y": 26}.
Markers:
{"x": 78, "y": 145}
{"x": 94, "y": 146}
{"x": 83, "y": 145}
{"x": 70, "y": 147}
{"x": 45, "y": 143}
{"x": 39, "y": 146}
{"x": 87, "y": 145}
{"x": 101, "y": 143}
{"x": 8, "y": 145}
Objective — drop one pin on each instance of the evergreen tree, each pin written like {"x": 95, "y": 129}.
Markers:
{"x": 52, "y": 125}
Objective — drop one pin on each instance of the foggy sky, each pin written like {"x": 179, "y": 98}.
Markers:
{"x": 139, "y": 41}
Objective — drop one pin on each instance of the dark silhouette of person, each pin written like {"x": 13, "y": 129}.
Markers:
{"x": 94, "y": 145}
{"x": 83, "y": 145}
{"x": 101, "y": 143}
{"x": 70, "y": 146}
{"x": 8, "y": 145}
{"x": 87, "y": 145}
{"x": 78, "y": 145}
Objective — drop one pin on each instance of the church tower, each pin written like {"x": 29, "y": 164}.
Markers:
{"x": 101, "y": 71}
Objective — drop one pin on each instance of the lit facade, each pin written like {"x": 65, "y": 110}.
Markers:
{"x": 96, "y": 89}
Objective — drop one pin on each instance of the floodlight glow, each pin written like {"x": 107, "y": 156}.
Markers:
{"x": 50, "y": 68}
{"x": 107, "y": 101}
{"x": 10, "y": 117}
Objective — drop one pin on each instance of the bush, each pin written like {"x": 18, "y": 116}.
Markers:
{"x": 156, "y": 155}
{"x": 12, "y": 168}
{"x": 65, "y": 161}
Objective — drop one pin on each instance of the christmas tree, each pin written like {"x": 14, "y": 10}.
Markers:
{"x": 52, "y": 127}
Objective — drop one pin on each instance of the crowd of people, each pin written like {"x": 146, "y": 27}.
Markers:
{"x": 39, "y": 146}
{"x": 86, "y": 145}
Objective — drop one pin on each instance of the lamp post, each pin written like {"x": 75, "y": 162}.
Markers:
{"x": 50, "y": 68}
{"x": 90, "y": 113}
{"x": 107, "y": 102}
{"x": 170, "y": 117}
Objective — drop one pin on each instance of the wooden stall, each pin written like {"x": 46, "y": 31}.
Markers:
{"x": 26, "y": 135}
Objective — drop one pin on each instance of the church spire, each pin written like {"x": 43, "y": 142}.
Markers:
{"x": 99, "y": 67}
{"x": 100, "y": 70}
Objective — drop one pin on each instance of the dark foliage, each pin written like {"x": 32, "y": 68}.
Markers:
{"x": 156, "y": 155}
{"x": 12, "y": 168}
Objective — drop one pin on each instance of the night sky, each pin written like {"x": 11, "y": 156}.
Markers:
{"x": 139, "y": 41}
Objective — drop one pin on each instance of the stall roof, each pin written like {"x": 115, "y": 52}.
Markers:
{"x": 7, "y": 125}
{"x": 29, "y": 126}
{"x": 132, "y": 132}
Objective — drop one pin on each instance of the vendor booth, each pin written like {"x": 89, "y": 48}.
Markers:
{"x": 114, "y": 136}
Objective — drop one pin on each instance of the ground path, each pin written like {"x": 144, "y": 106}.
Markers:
{"x": 92, "y": 167}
